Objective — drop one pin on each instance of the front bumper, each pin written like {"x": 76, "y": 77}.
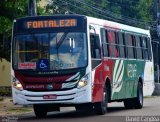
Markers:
{"x": 74, "y": 96}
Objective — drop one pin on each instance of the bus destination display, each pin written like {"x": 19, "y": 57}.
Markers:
{"x": 51, "y": 23}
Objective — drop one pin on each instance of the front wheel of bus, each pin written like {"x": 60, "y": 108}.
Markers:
{"x": 101, "y": 107}
{"x": 139, "y": 99}
{"x": 40, "y": 111}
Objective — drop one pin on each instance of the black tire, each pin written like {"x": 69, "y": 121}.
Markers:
{"x": 101, "y": 107}
{"x": 129, "y": 103}
{"x": 135, "y": 102}
{"x": 40, "y": 111}
{"x": 138, "y": 101}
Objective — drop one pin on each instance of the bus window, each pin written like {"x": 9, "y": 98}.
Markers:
{"x": 129, "y": 45}
{"x": 105, "y": 43}
{"x": 134, "y": 47}
{"x": 95, "y": 46}
{"x": 112, "y": 43}
{"x": 145, "y": 48}
{"x": 121, "y": 45}
{"x": 29, "y": 47}
{"x": 149, "y": 48}
{"x": 138, "y": 47}
{"x": 117, "y": 44}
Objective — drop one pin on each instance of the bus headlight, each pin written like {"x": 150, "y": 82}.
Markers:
{"x": 16, "y": 84}
{"x": 83, "y": 82}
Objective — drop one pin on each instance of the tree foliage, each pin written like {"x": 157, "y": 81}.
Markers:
{"x": 10, "y": 9}
{"x": 133, "y": 12}
{"x": 144, "y": 10}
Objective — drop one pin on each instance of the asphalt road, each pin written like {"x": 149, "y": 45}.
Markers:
{"x": 116, "y": 113}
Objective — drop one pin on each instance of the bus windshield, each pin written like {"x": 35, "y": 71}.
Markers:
{"x": 50, "y": 51}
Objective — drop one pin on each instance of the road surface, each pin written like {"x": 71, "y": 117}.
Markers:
{"x": 116, "y": 113}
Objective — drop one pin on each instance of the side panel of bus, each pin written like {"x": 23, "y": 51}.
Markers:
{"x": 121, "y": 75}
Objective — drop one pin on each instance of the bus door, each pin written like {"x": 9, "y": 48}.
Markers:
{"x": 97, "y": 69}
{"x": 95, "y": 50}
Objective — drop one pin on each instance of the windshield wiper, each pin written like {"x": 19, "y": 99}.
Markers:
{"x": 61, "y": 40}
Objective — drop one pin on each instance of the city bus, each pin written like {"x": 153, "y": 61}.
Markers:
{"x": 80, "y": 61}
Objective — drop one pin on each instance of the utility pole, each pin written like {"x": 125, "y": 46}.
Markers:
{"x": 32, "y": 9}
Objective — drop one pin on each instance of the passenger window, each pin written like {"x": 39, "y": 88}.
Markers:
{"x": 138, "y": 47}
{"x": 121, "y": 45}
{"x": 129, "y": 45}
{"x": 145, "y": 48}
{"x": 117, "y": 44}
{"x": 149, "y": 48}
{"x": 95, "y": 46}
{"x": 134, "y": 47}
{"x": 106, "y": 44}
{"x": 112, "y": 44}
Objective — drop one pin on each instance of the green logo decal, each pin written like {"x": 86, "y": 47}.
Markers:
{"x": 132, "y": 70}
{"x": 118, "y": 73}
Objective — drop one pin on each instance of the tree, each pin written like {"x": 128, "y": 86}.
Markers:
{"x": 132, "y": 12}
{"x": 9, "y": 9}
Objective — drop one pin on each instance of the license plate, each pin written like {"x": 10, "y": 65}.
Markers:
{"x": 51, "y": 96}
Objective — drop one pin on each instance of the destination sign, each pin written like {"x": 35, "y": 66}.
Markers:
{"x": 51, "y": 23}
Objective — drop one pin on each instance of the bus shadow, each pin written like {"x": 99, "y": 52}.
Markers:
{"x": 68, "y": 115}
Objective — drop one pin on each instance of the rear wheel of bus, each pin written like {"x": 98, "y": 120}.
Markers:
{"x": 138, "y": 101}
{"x": 135, "y": 102}
{"x": 101, "y": 107}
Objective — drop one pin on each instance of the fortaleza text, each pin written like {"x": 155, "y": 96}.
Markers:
{"x": 51, "y": 23}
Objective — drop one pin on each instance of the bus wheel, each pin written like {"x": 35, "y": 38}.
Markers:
{"x": 135, "y": 102}
{"x": 101, "y": 107}
{"x": 40, "y": 111}
{"x": 128, "y": 103}
{"x": 138, "y": 101}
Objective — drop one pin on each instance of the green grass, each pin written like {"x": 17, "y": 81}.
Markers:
{"x": 20, "y": 110}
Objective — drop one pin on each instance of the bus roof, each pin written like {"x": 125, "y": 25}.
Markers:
{"x": 96, "y": 21}
{"x": 118, "y": 26}
{"x": 50, "y": 16}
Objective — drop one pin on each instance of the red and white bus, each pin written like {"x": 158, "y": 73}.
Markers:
{"x": 81, "y": 61}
